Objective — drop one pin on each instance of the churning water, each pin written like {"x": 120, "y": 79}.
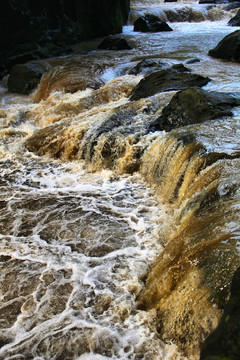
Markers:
{"x": 84, "y": 215}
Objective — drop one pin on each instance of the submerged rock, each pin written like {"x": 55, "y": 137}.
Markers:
{"x": 228, "y": 48}
{"x": 235, "y": 21}
{"x": 114, "y": 43}
{"x": 166, "y": 80}
{"x": 24, "y": 78}
{"x": 192, "y": 106}
{"x": 151, "y": 23}
{"x": 147, "y": 66}
{"x": 193, "y": 61}
{"x": 67, "y": 79}
{"x": 224, "y": 342}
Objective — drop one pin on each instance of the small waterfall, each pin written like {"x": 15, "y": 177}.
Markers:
{"x": 118, "y": 242}
{"x": 202, "y": 251}
{"x": 181, "y": 12}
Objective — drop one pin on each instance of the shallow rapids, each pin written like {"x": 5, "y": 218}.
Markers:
{"x": 74, "y": 247}
{"x": 90, "y": 200}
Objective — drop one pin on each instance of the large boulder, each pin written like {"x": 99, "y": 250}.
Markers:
{"x": 114, "y": 43}
{"x": 23, "y": 78}
{"x": 166, "y": 80}
{"x": 192, "y": 106}
{"x": 228, "y": 48}
{"x": 150, "y": 23}
{"x": 224, "y": 342}
{"x": 235, "y": 21}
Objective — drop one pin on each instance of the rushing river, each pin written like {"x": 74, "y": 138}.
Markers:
{"x": 82, "y": 218}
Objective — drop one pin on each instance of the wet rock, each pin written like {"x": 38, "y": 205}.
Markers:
{"x": 24, "y": 78}
{"x": 114, "y": 43}
{"x": 150, "y": 23}
{"x": 235, "y": 21}
{"x": 192, "y": 106}
{"x": 166, "y": 80}
{"x": 27, "y": 52}
{"x": 228, "y": 48}
{"x": 193, "y": 61}
{"x": 224, "y": 342}
{"x": 180, "y": 68}
{"x": 146, "y": 67}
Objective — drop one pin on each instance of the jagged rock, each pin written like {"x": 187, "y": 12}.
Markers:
{"x": 224, "y": 342}
{"x": 228, "y": 48}
{"x": 24, "y": 78}
{"x": 151, "y": 23}
{"x": 192, "y": 106}
{"x": 235, "y": 21}
{"x": 147, "y": 66}
{"x": 166, "y": 80}
{"x": 114, "y": 43}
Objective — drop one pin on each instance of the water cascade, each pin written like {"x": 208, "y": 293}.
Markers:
{"x": 118, "y": 241}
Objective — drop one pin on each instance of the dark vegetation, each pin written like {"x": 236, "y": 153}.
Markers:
{"x": 34, "y": 30}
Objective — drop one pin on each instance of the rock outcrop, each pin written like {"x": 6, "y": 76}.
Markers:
{"x": 228, "y": 48}
{"x": 166, "y": 80}
{"x": 193, "y": 106}
{"x": 150, "y": 23}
